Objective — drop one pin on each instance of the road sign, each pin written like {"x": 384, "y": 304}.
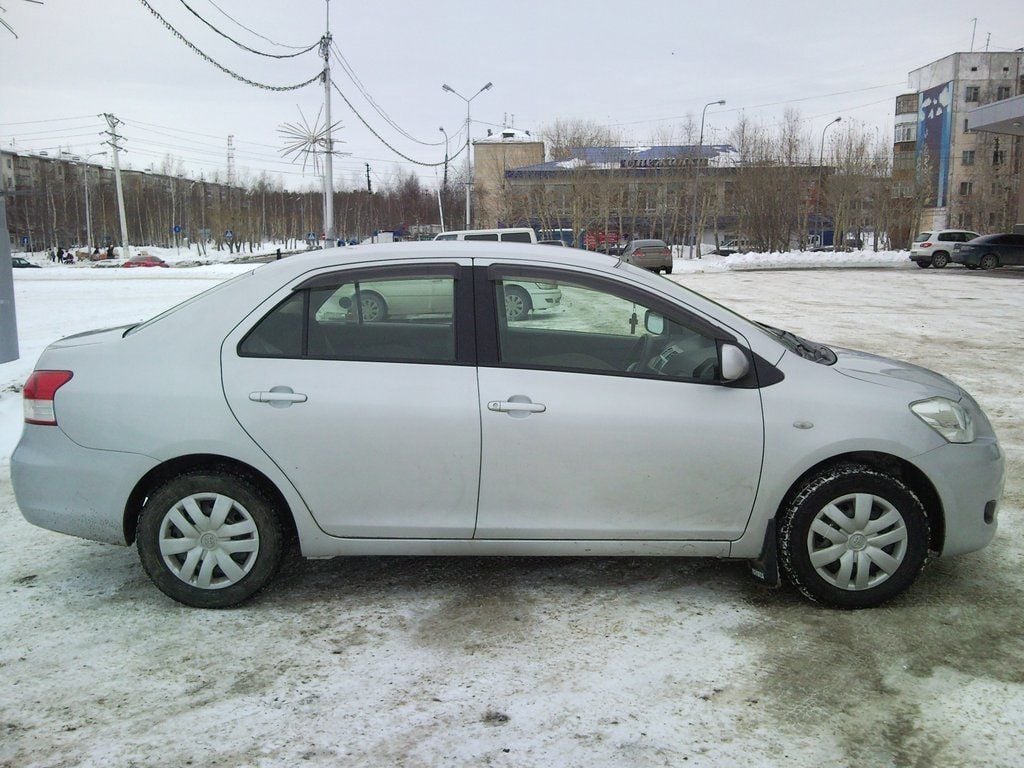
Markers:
{"x": 229, "y": 235}
{"x": 177, "y": 228}
{"x": 311, "y": 236}
{"x": 24, "y": 239}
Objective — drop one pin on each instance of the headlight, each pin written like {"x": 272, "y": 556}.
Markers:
{"x": 949, "y": 419}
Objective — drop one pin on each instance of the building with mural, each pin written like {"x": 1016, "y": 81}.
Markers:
{"x": 961, "y": 176}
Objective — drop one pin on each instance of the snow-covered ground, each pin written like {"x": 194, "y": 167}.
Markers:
{"x": 528, "y": 661}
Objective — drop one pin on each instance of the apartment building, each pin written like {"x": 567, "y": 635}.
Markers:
{"x": 961, "y": 176}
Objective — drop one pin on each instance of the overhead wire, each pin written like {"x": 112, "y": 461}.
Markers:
{"x": 243, "y": 46}
{"x": 221, "y": 67}
{"x": 251, "y": 31}
{"x": 348, "y": 70}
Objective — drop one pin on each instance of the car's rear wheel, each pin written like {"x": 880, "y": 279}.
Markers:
{"x": 373, "y": 307}
{"x": 940, "y": 259}
{"x": 210, "y": 539}
{"x": 853, "y": 537}
{"x": 989, "y": 261}
{"x": 668, "y": 269}
{"x": 517, "y": 303}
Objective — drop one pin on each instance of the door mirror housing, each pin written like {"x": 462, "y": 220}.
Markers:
{"x": 654, "y": 323}
{"x": 735, "y": 364}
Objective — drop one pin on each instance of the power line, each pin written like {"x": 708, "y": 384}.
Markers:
{"x": 343, "y": 62}
{"x": 52, "y": 120}
{"x": 252, "y": 31}
{"x": 221, "y": 67}
{"x": 384, "y": 141}
{"x": 243, "y": 46}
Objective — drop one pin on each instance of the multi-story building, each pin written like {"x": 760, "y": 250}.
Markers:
{"x": 962, "y": 177}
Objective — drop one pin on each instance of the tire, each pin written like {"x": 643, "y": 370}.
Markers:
{"x": 249, "y": 526}
{"x": 374, "y": 309}
{"x": 668, "y": 270}
{"x": 940, "y": 259}
{"x": 989, "y": 261}
{"x": 923, "y": 264}
{"x": 836, "y": 559}
{"x": 517, "y": 303}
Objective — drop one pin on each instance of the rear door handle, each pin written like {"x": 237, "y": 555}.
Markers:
{"x": 279, "y": 396}
{"x": 508, "y": 406}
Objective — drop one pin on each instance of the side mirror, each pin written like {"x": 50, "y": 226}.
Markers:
{"x": 735, "y": 364}
{"x": 654, "y": 323}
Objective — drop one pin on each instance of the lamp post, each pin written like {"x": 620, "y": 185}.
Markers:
{"x": 469, "y": 170}
{"x": 444, "y": 183}
{"x": 821, "y": 162}
{"x": 88, "y": 211}
{"x": 696, "y": 185}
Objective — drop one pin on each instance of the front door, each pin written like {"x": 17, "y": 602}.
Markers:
{"x": 603, "y": 421}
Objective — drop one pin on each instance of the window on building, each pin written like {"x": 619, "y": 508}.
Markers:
{"x": 965, "y": 220}
{"x": 906, "y": 104}
{"x": 968, "y": 158}
{"x": 999, "y": 157}
{"x": 992, "y": 220}
{"x": 1002, "y": 92}
{"x": 966, "y": 126}
{"x": 972, "y": 93}
{"x": 966, "y": 187}
{"x": 906, "y": 132}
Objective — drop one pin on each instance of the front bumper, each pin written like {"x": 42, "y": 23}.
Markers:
{"x": 969, "y": 479}
{"x": 61, "y": 486}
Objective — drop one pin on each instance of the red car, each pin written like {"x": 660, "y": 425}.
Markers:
{"x": 144, "y": 260}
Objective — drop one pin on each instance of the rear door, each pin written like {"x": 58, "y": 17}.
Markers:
{"x": 375, "y": 421}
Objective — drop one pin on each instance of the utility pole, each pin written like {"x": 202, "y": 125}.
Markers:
{"x": 8, "y": 317}
{"x": 325, "y": 51}
{"x": 112, "y": 123}
{"x": 973, "y": 30}
{"x": 694, "y": 238}
{"x": 369, "y": 187}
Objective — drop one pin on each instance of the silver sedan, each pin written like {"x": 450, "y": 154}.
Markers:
{"x": 634, "y": 417}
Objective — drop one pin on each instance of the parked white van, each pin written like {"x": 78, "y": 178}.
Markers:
{"x": 507, "y": 235}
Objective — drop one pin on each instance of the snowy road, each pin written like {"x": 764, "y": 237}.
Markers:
{"x": 531, "y": 662}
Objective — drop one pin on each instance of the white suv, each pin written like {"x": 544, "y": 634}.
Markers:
{"x": 934, "y": 248}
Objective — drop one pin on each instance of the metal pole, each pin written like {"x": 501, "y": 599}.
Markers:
{"x": 696, "y": 182}
{"x": 469, "y": 169}
{"x": 325, "y": 49}
{"x": 821, "y": 162}
{"x": 8, "y": 316}
{"x": 88, "y": 213}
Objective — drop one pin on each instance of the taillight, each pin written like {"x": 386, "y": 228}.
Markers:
{"x": 925, "y": 245}
{"x": 38, "y": 393}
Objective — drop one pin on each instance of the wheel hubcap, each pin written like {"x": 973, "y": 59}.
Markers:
{"x": 513, "y": 306}
{"x": 209, "y": 541}
{"x": 857, "y": 541}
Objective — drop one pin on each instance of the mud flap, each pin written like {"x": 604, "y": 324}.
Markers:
{"x": 766, "y": 567}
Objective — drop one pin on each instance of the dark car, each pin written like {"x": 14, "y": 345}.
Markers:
{"x": 19, "y": 263}
{"x": 611, "y": 250}
{"x": 654, "y": 255}
{"x": 990, "y": 251}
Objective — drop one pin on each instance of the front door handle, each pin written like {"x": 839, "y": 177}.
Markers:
{"x": 280, "y": 397}
{"x": 513, "y": 406}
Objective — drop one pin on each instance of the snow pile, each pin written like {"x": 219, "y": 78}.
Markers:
{"x": 183, "y": 256}
{"x": 789, "y": 260}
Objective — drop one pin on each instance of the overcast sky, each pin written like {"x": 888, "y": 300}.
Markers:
{"x": 641, "y": 67}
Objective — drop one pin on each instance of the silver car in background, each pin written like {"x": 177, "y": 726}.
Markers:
{"x": 634, "y": 418}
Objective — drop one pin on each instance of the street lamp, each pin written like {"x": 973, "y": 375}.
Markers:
{"x": 88, "y": 212}
{"x": 469, "y": 170}
{"x": 696, "y": 185}
{"x": 821, "y": 162}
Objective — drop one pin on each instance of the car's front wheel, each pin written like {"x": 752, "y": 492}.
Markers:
{"x": 853, "y": 537}
{"x": 940, "y": 259}
{"x": 989, "y": 261}
{"x": 210, "y": 539}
